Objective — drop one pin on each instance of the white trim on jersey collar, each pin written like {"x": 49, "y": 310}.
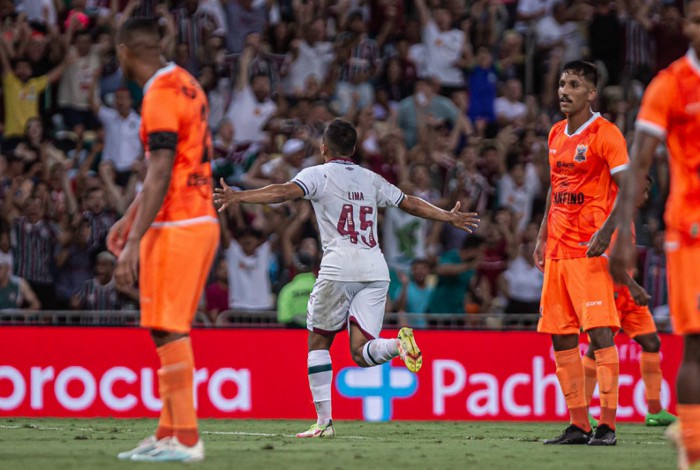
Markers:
{"x": 161, "y": 71}
{"x": 693, "y": 59}
{"x": 583, "y": 126}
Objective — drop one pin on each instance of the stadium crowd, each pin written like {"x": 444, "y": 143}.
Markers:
{"x": 452, "y": 100}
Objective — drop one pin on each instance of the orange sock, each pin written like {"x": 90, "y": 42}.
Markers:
{"x": 689, "y": 416}
{"x": 570, "y": 375}
{"x": 177, "y": 374}
{"x": 650, "y": 366}
{"x": 608, "y": 368}
{"x": 165, "y": 423}
{"x": 590, "y": 377}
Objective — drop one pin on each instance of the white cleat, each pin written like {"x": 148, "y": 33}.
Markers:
{"x": 170, "y": 450}
{"x": 316, "y": 430}
{"x": 144, "y": 446}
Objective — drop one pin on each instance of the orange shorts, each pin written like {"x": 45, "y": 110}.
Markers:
{"x": 682, "y": 261}
{"x": 635, "y": 320}
{"x": 174, "y": 265}
{"x": 577, "y": 294}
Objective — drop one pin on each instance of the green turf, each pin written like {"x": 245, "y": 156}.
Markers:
{"x": 92, "y": 444}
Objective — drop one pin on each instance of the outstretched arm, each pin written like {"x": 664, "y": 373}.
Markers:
{"x": 270, "y": 194}
{"x": 423, "y": 12}
{"x": 4, "y": 59}
{"x": 467, "y": 221}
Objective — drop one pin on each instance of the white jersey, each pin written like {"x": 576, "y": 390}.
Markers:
{"x": 345, "y": 197}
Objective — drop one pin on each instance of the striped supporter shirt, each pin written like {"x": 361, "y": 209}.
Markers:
{"x": 95, "y": 296}
{"x": 34, "y": 247}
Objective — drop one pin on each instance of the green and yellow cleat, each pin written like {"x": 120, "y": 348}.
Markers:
{"x": 317, "y": 430}
{"x": 662, "y": 418}
{"x": 408, "y": 350}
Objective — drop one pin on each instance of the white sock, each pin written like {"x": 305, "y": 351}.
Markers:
{"x": 378, "y": 351}
{"x": 320, "y": 381}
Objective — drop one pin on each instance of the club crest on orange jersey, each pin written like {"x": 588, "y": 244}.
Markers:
{"x": 580, "y": 156}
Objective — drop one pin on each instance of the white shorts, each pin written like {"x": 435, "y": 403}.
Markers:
{"x": 334, "y": 304}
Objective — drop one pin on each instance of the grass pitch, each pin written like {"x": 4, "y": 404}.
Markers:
{"x": 243, "y": 444}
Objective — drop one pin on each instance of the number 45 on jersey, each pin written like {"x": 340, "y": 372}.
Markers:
{"x": 346, "y": 225}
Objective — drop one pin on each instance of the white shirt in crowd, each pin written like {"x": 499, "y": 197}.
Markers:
{"x": 39, "y": 11}
{"x": 248, "y": 278}
{"x": 122, "y": 142}
{"x": 216, "y": 11}
{"x": 443, "y": 49}
{"x": 403, "y": 239}
{"x": 549, "y": 32}
{"x": 249, "y": 116}
{"x": 311, "y": 61}
{"x": 519, "y": 199}
{"x": 76, "y": 80}
{"x": 524, "y": 281}
{"x": 419, "y": 56}
{"x": 345, "y": 198}
{"x": 218, "y": 99}
{"x": 531, "y": 7}
{"x": 509, "y": 110}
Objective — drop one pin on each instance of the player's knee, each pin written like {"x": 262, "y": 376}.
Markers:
{"x": 601, "y": 338}
{"x": 651, "y": 343}
{"x": 359, "y": 358}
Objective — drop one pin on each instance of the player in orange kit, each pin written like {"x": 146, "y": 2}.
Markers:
{"x": 587, "y": 156}
{"x": 637, "y": 322}
{"x": 670, "y": 113}
{"x": 168, "y": 237}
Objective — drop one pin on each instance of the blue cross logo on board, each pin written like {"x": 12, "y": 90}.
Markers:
{"x": 377, "y": 387}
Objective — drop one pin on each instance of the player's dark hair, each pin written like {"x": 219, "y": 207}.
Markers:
{"x": 134, "y": 26}
{"x": 584, "y": 69}
{"x": 340, "y": 138}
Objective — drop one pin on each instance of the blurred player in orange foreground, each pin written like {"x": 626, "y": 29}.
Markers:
{"x": 587, "y": 155}
{"x": 637, "y": 322}
{"x": 168, "y": 236}
{"x": 670, "y": 113}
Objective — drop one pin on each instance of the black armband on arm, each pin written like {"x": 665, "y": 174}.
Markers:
{"x": 162, "y": 141}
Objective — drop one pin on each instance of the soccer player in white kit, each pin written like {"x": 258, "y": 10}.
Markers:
{"x": 352, "y": 285}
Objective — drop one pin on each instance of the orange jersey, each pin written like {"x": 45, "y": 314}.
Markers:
{"x": 671, "y": 111}
{"x": 583, "y": 191}
{"x": 174, "y": 116}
